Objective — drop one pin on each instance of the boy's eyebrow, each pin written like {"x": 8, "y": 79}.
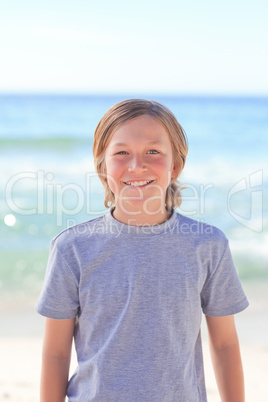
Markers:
{"x": 124, "y": 144}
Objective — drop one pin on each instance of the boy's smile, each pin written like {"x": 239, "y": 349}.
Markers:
{"x": 139, "y": 167}
{"x": 137, "y": 183}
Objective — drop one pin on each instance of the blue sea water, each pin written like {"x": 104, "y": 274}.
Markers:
{"x": 48, "y": 180}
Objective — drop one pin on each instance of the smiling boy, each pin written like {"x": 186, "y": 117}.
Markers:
{"x": 133, "y": 297}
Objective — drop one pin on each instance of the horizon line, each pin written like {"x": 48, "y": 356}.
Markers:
{"x": 135, "y": 94}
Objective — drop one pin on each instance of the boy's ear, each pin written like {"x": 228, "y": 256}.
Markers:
{"x": 175, "y": 170}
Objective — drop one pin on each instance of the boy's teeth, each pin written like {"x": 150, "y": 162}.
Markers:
{"x": 138, "y": 183}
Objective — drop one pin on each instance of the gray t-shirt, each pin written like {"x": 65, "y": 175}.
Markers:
{"x": 138, "y": 294}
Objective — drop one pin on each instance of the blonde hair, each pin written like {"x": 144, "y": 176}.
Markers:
{"x": 130, "y": 109}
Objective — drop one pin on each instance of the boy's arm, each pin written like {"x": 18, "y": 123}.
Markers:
{"x": 56, "y": 359}
{"x": 226, "y": 359}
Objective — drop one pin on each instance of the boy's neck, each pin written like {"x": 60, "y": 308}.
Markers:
{"x": 141, "y": 219}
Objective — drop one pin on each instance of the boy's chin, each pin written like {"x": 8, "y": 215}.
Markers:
{"x": 140, "y": 207}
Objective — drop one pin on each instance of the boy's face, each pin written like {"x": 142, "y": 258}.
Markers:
{"x": 139, "y": 165}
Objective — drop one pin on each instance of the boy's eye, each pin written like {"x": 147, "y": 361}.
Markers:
{"x": 121, "y": 153}
{"x": 153, "y": 151}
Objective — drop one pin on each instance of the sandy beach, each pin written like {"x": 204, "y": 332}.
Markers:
{"x": 21, "y": 344}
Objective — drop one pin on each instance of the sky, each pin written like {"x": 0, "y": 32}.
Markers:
{"x": 139, "y": 46}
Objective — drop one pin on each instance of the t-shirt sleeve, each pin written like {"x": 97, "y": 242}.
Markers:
{"x": 222, "y": 293}
{"x": 59, "y": 297}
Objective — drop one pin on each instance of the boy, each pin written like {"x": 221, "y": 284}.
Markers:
{"x": 130, "y": 286}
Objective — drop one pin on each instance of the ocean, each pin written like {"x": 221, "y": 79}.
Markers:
{"x": 48, "y": 180}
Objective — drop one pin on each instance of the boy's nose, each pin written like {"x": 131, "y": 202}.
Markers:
{"x": 137, "y": 164}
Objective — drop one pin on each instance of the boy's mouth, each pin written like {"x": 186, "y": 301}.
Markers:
{"x": 140, "y": 183}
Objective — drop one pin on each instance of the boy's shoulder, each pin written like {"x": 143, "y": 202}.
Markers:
{"x": 198, "y": 231}
{"x": 80, "y": 232}
{"x": 197, "y": 227}
{"x": 199, "y": 237}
